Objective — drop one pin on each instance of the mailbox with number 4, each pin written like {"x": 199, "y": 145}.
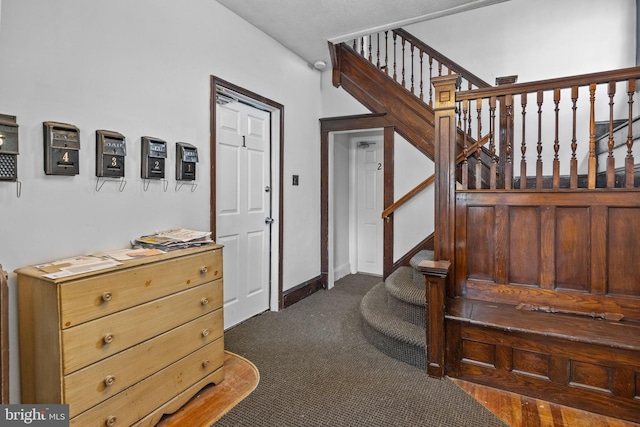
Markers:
{"x": 186, "y": 159}
{"x": 110, "y": 152}
{"x": 61, "y": 146}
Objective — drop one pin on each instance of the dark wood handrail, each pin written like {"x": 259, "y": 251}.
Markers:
{"x": 402, "y": 200}
{"x": 550, "y": 84}
{"x": 451, "y": 65}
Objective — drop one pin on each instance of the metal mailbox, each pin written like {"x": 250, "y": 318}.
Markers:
{"x": 8, "y": 148}
{"x": 186, "y": 159}
{"x": 111, "y": 150}
{"x": 154, "y": 153}
{"x": 61, "y": 148}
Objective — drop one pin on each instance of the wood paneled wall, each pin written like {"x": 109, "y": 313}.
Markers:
{"x": 575, "y": 250}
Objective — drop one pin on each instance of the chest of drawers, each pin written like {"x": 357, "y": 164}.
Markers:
{"x": 126, "y": 345}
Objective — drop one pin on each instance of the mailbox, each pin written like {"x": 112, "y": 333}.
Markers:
{"x": 111, "y": 150}
{"x": 186, "y": 159}
{"x": 154, "y": 153}
{"x": 8, "y": 148}
{"x": 61, "y": 148}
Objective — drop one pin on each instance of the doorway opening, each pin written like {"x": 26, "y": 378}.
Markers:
{"x": 246, "y": 197}
{"x": 356, "y": 200}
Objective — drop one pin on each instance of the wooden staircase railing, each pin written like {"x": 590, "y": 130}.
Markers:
{"x": 561, "y": 131}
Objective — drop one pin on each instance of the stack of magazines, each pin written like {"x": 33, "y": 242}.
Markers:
{"x": 175, "y": 238}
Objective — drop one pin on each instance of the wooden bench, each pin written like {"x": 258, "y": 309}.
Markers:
{"x": 579, "y": 361}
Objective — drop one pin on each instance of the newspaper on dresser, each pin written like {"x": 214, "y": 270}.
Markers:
{"x": 175, "y": 238}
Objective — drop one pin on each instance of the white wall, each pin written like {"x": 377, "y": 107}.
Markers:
{"x": 139, "y": 68}
{"x": 413, "y": 221}
{"x": 536, "y": 39}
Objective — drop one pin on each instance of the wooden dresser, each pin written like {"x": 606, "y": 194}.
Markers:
{"x": 123, "y": 346}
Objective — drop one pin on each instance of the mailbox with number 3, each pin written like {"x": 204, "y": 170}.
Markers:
{"x": 110, "y": 153}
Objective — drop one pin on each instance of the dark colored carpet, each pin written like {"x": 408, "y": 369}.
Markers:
{"x": 317, "y": 369}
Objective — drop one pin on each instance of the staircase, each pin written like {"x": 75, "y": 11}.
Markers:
{"x": 393, "y": 313}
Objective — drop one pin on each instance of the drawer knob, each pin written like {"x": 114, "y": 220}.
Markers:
{"x": 205, "y": 332}
{"x": 204, "y": 301}
{"x": 110, "y": 421}
{"x": 205, "y": 363}
{"x": 204, "y": 269}
{"x": 109, "y": 380}
{"x": 108, "y": 338}
{"x": 106, "y": 296}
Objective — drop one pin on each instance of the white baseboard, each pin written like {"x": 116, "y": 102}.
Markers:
{"x": 342, "y": 271}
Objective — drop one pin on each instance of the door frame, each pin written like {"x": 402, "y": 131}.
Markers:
{"x": 277, "y": 153}
{"x": 351, "y": 123}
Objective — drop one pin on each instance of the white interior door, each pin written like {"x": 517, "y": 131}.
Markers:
{"x": 243, "y": 205}
{"x": 369, "y": 207}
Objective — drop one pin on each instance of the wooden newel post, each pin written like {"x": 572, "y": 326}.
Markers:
{"x": 435, "y": 273}
{"x": 445, "y": 165}
{"x": 438, "y": 281}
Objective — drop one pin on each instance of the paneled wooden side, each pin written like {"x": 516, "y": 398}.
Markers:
{"x": 582, "y": 375}
{"x": 572, "y": 250}
{"x": 480, "y": 260}
{"x": 623, "y": 241}
{"x": 524, "y": 245}
{"x": 573, "y": 268}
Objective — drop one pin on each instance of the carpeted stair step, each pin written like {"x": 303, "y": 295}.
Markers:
{"x": 393, "y": 336}
{"x": 418, "y": 277}
{"x": 405, "y": 300}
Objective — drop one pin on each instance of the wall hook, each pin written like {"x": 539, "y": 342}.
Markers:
{"x": 180, "y": 184}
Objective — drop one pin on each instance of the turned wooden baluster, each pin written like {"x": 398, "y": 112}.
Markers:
{"x": 592, "y": 137}
{"x": 395, "y": 75}
{"x": 465, "y": 149}
{"x": 478, "y": 147}
{"x": 370, "y": 48}
{"x": 523, "y": 145}
{"x": 403, "y": 70}
{"x": 508, "y": 167}
{"x": 556, "y": 141}
{"x": 362, "y": 46}
{"x": 421, "y": 76}
{"x": 430, "y": 85}
{"x": 629, "y": 172}
{"x": 611, "y": 161}
{"x": 539, "y": 146}
{"x": 573, "y": 179}
{"x": 378, "y": 51}
{"x": 355, "y": 44}
{"x": 412, "y": 54}
{"x": 386, "y": 52}
{"x": 492, "y": 142}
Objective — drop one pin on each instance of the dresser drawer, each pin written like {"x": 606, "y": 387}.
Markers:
{"x": 102, "y": 380}
{"x": 137, "y": 401}
{"x": 93, "y": 297}
{"x": 95, "y": 340}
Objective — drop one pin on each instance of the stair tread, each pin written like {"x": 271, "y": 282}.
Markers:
{"x": 423, "y": 255}
{"x": 375, "y": 312}
{"x": 400, "y": 284}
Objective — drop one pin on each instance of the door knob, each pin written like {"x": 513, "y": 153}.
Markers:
{"x": 269, "y": 220}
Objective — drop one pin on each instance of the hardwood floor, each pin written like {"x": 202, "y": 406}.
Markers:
{"x": 241, "y": 378}
{"x": 205, "y": 408}
{"x": 517, "y": 410}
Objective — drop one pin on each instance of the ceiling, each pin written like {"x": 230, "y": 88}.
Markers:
{"x": 305, "y": 26}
